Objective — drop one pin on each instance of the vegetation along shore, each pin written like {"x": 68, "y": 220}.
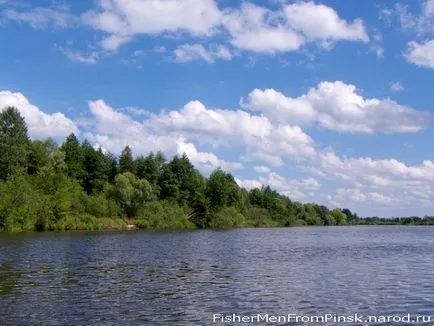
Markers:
{"x": 73, "y": 186}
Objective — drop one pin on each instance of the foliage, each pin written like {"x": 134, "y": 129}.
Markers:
{"x": 227, "y": 217}
{"x": 163, "y": 215}
{"x": 130, "y": 193}
{"x": 13, "y": 142}
{"x": 79, "y": 187}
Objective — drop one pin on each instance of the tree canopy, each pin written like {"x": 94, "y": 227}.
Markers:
{"x": 44, "y": 186}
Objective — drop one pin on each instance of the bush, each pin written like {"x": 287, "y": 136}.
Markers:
{"x": 259, "y": 217}
{"x": 163, "y": 215}
{"x": 299, "y": 222}
{"x": 227, "y": 217}
{"x": 99, "y": 206}
{"x": 73, "y": 223}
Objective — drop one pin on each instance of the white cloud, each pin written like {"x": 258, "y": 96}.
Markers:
{"x": 354, "y": 197}
{"x": 294, "y": 188}
{"x": 369, "y": 172}
{"x": 205, "y": 161}
{"x": 337, "y": 106}
{"x": 421, "y": 54}
{"x": 41, "y": 18}
{"x": 78, "y": 56}
{"x": 342, "y": 197}
{"x": 39, "y": 123}
{"x": 256, "y": 134}
{"x": 322, "y": 23}
{"x": 113, "y": 130}
{"x": 259, "y": 29}
{"x": 261, "y": 169}
{"x": 381, "y": 199}
{"x": 397, "y": 87}
{"x": 421, "y": 23}
{"x": 124, "y": 19}
{"x": 190, "y": 52}
{"x": 250, "y": 27}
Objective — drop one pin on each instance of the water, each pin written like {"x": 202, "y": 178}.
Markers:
{"x": 183, "y": 278}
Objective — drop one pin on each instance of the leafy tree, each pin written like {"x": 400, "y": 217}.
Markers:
{"x": 339, "y": 216}
{"x": 13, "y": 142}
{"x": 222, "y": 190}
{"x": 130, "y": 193}
{"x": 39, "y": 153}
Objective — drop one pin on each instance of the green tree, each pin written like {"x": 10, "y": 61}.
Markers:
{"x": 222, "y": 190}
{"x": 339, "y": 216}
{"x": 95, "y": 170}
{"x": 39, "y": 153}
{"x": 73, "y": 157}
{"x": 130, "y": 193}
{"x": 111, "y": 166}
{"x": 126, "y": 161}
{"x": 150, "y": 167}
{"x": 13, "y": 142}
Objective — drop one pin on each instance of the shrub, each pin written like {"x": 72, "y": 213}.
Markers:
{"x": 163, "y": 215}
{"x": 227, "y": 217}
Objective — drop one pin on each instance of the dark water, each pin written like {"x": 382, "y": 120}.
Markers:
{"x": 183, "y": 278}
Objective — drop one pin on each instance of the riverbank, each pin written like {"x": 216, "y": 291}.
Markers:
{"x": 91, "y": 223}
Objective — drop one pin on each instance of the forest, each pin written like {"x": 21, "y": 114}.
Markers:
{"x": 45, "y": 186}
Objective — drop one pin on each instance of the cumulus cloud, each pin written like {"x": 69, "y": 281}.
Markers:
{"x": 337, "y": 106}
{"x": 344, "y": 197}
{"x": 256, "y": 135}
{"x": 249, "y": 27}
{"x": 369, "y": 172}
{"x": 293, "y": 188}
{"x": 260, "y": 29}
{"x": 320, "y": 22}
{"x": 191, "y": 52}
{"x": 124, "y": 19}
{"x": 39, "y": 123}
{"x": 113, "y": 130}
{"x": 420, "y": 54}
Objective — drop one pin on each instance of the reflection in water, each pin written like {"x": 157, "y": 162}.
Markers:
{"x": 182, "y": 278}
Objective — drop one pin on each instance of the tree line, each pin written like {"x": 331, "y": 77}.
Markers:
{"x": 74, "y": 186}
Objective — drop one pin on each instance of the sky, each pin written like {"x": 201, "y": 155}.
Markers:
{"x": 324, "y": 101}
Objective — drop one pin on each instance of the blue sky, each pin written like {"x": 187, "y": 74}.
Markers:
{"x": 325, "y": 101}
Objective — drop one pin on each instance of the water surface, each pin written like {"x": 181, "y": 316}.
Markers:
{"x": 183, "y": 278}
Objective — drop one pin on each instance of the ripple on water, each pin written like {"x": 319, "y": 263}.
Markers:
{"x": 182, "y": 278}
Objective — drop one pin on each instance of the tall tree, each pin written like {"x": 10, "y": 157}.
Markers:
{"x": 149, "y": 167}
{"x": 13, "y": 142}
{"x": 95, "y": 172}
{"x": 111, "y": 166}
{"x": 222, "y": 190}
{"x": 126, "y": 161}
{"x": 39, "y": 153}
{"x": 73, "y": 157}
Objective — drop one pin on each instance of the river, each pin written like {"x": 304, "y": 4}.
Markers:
{"x": 188, "y": 277}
